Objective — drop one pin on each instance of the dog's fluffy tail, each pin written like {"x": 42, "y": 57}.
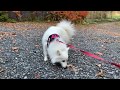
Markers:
{"x": 68, "y": 26}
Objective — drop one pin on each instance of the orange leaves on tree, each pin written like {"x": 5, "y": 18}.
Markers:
{"x": 71, "y": 15}
{"x": 18, "y": 13}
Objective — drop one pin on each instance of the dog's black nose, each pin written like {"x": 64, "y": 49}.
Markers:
{"x": 65, "y": 67}
{"x": 58, "y": 64}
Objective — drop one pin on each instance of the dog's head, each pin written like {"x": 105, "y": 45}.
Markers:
{"x": 61, "y": 56}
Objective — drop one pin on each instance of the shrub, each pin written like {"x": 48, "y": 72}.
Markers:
{"x": 76, "y": 16}
{"x": 4, "y": 17}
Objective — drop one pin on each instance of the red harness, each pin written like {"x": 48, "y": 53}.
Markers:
{"x": 84, "y": 52}
{"x": 52, "y": 38}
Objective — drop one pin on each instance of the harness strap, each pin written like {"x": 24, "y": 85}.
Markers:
{"x": 51, "y": 38}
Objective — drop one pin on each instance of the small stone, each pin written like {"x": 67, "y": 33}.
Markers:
{"x": 25, "y": 77}
{"x": 2, "y": 61}
{"x": 111, "y": 72}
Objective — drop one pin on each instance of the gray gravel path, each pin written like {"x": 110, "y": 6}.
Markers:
{"x": 21, "y": 55}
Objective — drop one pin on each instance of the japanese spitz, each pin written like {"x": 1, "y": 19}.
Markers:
{"x": 55, "y": 40}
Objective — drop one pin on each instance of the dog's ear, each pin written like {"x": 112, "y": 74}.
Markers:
{"x": 58, "y": 52}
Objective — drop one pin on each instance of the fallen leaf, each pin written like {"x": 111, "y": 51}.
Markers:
{"x": 98, "y": 53}
{"x": 37, "y": 76}
{"x": 36, "y": 45}
{"x": 99, "y": 65}
{"x": 1, "y": 49}
{"x": 100, "y": 74}
{"x": 15, "y": 49}
{"x": 1, "y": 69}
{"x": 14, "y": 34}
{"x": 14, "y": 41}
{"x": 73, "y": 68}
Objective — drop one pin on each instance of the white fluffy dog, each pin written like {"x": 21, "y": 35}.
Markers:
{"x": 53, "y": 42}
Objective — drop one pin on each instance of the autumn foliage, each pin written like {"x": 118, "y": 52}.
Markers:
{"x": 46, "y": 15}
{"x": 70, "y": 15}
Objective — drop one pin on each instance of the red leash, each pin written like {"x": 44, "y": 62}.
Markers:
{"x": 91, "y": 55}
{"x": 94, "y": 56}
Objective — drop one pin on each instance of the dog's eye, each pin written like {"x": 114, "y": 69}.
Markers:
{"x": 63, "y": 61}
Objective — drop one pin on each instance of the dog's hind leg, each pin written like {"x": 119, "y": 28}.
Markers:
{"x": 45, "y": 51}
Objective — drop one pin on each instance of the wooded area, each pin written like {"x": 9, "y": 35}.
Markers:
{"x": 56, "y": 15}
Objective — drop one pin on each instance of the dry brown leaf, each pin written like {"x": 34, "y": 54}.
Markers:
{"x": 14, "y": 34}
{"x": 0, "y": 38}
{"x": 73, "y": 68}
{"x": 100, "y": 74}
{"x": 99, "y": 65}
{"x": 37, "y": 76}
{"x": 1, "y": 49}
{"x": 14, "y": 41}
{"x": 1, "y": 69}
{"x": 15, "y": 49}
{"x": 36, "y": 45}
{"x": 98, "y": 53}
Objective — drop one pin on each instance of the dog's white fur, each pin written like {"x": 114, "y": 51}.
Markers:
{"x": 58, "y": 51}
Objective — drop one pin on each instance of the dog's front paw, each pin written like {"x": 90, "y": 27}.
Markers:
{"x": 52, "y": 61}
{"x": 45, "y": 59}
{"x": 53, "y": 64}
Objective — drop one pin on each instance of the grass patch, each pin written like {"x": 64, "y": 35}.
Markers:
{"x": 96, "y": 21}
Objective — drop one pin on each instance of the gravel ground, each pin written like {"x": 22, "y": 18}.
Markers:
{"x": 21, "y": 55}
